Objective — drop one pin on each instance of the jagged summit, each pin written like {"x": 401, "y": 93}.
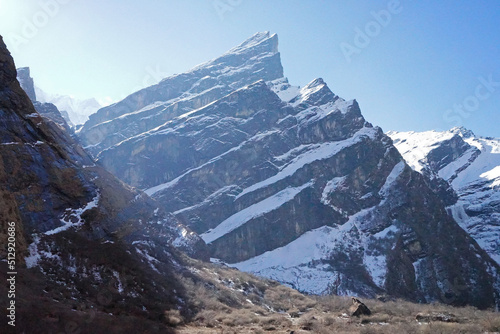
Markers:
{"x": 314, "y": 93}
{"x": 255, "y": 59}
{"x": 462, "y": 131}
{"x": 261, "y": 42}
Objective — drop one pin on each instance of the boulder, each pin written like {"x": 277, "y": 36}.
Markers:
{"x": 358, "y": 308}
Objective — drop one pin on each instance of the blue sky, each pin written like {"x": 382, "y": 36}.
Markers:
{"x": 412, "y": 65}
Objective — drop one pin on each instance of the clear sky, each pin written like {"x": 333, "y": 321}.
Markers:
{"x": 412, "y": 65}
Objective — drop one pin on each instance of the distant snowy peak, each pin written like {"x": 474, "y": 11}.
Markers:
{"x": 78, "y": 110}
{"x": 463, "y": 132}
{"x": 415, "y": 146}
{"x": 74, "y": 111}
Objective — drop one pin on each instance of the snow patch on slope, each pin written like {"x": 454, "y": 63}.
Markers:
{"x": 256, "y": 210}
{"x": 73, "y": 218}
{"x": 331, "y": 186}
{"x": 302, "y": 264}
{"x": 290, "y": 264}
{"x": 493, "y": 175}
{"x": 391, "y": 179}
{"x": 484, "y": 167}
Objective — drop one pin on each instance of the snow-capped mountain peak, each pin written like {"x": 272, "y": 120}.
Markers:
{"x": 253, "y": 60}
{"x": 257, "y": 166}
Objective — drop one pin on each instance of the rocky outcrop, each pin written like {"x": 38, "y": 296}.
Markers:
{"x": 26, "y": 82}
{"x": 435, "y": 316}
{"x": 358, "y": 308}
{"x": 295, "y": 185}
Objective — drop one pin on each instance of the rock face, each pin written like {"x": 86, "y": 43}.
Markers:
{"x": 79, "y": 230}
{"x": 26, "y": 82}
{"x": 289, "y": 183}
{"x": 471, "y": 166}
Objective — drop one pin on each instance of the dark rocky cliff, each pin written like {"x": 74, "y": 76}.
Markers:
{"x": 84, "y": 239}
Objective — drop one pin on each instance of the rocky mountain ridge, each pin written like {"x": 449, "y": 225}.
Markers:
{"x": 74, "y": 111}
{"x": 153, "y": 106}
{"x": 47, "y": 110}
{"x": 290, "y": 183}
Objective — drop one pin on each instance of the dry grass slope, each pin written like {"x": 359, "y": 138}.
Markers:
{"x": 228, "y": 301}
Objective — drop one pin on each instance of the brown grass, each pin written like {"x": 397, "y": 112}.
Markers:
{"x": 230, "y": 301}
